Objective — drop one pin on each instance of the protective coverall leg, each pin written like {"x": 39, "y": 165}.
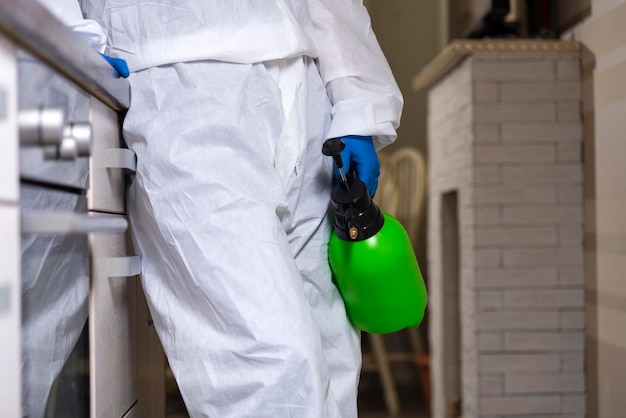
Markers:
{"x": 229, "y": 210}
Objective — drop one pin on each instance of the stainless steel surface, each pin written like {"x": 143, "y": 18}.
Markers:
{"x": 66, "y": 150}
{"x": 10, "y": 312}
{"x": 121, "y": 158}
{"x": 113, "y": 329}
{"x": 65, "y": 242}
{"x": 3, "y": 104}
{"x": 41, "y": 126}
{"x": 81, "y": 133}
{"x": 38, "y": 31}
{"x": 57, "y": 164}
{"x": 107, "y": 184}
{"x": 123, "y": 266}
{"x": 54, "y": 299}
{"x": 4, "y": 298}
{"x": 75, "y": 142}
{"x": 56, "y": 259}
{"x": 41, "y": 223}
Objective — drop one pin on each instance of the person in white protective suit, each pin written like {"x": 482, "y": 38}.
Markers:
{"x": 231, "y": 102}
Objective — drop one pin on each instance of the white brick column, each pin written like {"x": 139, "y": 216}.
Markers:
{"x": 505, "y": 149}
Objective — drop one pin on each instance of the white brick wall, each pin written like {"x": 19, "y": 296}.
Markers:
{"x": 534, "y": 341}
{"x": 545, "y": 383}
{"x": 540, "y": 92}
{"x": 518, "y": 71}
{"x": 505, "y": 132}
{"x": 450, "y": 129}
{"x": 544, "y": 132}
{"x": 517, "y": 405}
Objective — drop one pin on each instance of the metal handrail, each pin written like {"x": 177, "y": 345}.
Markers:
{"x": 38, "y": 31}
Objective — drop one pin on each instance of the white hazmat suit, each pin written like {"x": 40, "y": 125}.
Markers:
{"x": 231, "y": 102}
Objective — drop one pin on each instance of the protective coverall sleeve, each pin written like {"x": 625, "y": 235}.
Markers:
{"x": 69, "y": 12}
{"x": 365, "y": 96}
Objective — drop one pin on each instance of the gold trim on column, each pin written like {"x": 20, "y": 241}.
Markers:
{"x": 458, "y": 49}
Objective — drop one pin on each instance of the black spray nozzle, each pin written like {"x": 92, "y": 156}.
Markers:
{"x": 333, "y": 148}
{"x": 356, "y": 216}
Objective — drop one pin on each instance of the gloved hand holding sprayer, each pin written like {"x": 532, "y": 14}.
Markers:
{"x": 370, "y": 253}
{"x": 359, "y": 155}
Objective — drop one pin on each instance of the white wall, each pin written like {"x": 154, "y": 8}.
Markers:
{"x": 604, "y": 113}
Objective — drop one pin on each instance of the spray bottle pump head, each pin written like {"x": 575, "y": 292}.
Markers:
{"x": 356, "y": 216}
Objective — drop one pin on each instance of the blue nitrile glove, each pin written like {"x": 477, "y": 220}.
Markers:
{"x": 360, "y": 155}
{"x": 118, "y": 65}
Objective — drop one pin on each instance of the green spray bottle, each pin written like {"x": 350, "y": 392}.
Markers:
{"x": 372, "y": 260}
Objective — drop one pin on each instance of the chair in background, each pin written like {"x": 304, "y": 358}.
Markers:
{"x": 410, "y": 167}
{"x": 389, "y": 191}
{"x": 401, "y": 193}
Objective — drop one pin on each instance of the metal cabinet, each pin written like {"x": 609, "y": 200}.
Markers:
{"x": 112, "y": 313}
{"x": 71, "y": 305}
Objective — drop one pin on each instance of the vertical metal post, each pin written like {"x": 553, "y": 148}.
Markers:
{"x": 10, "y": 360}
